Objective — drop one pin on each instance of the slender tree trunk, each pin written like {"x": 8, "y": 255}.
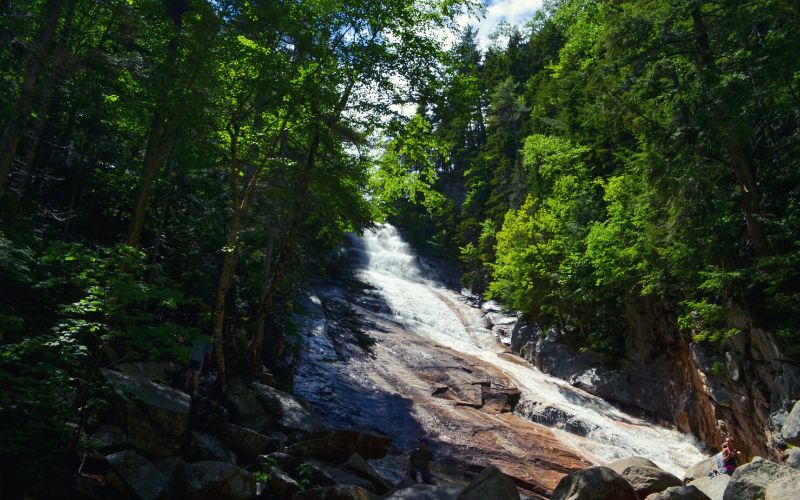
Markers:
{"x": 15, "y": 125}
{"x": 43, "y": 127}
{"x": 157, "y": 143}
{"x": 738, "y": 153}
{"x": 229, "y": 260}
{"x": 165, "y": 208}
{"x": 268, "y": 298}
{"x": 266, "y": 275}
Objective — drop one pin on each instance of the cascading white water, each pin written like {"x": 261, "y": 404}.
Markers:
{"x": 426, "y": 309}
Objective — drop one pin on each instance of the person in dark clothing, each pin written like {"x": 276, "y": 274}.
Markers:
{"x": 198, "y": 357}
{"x": 420, "y": 463}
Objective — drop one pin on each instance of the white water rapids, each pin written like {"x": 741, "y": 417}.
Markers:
{"x": 429, "y": 310}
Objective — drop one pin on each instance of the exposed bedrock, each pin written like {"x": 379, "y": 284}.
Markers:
{"x": 747, "y": 388}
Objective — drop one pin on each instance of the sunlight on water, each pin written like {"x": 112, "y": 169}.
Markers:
{"x": 425, "y": 308}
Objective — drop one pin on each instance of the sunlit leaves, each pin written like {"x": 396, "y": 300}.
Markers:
{"x": 407, "y": 169}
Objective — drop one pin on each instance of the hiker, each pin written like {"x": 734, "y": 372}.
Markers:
{"x": 730, "y": 456}
{"x": 727, "y": 459}
{"x": 420, "y": 463}
{"x": 201, "y": 353}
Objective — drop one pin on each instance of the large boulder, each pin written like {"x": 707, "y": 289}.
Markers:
{"x": 490, "y": 483}
{"x": 679, "y": 493}
{"x": 110, "y": 438}
{"x": 700, "y": 469}
{"x": 751, "y": 480}
{"x": 426, "y": 492}
{"x": 335, "y": 493}
{"x": 324, "y": 474}
{"x": 712, "y": 487}
{"x": 246, "y": 442}
{"x": 787, "y": 488}
{"x": 215, "y": 480}
{"x": 154, "y": 416}
{"x": 133, "y": 476}
{"x": 647, "y": 480}
{"x": 170, "y": 467}
{"x": 281, "y": 484}
{"x": 621, "y": 464}
{"x": 793, "y": 458}
{"x": 358, "y": 465}
{"x": 204, "y": 447}
{"x": 281, "y": 460}
{"x": 790, "y": 432}
{"x": 151, "y": 370}
{"x": 246, "y": 408}
{"x": 291, "y": 414}
{"x": 337, "y": 446}
{"x": 594, "y": 483}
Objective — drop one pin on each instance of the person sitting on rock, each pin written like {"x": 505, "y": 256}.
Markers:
{"x": 200, "y": 353}
{"x": 420, "y": 463}
{"x": 727, "y": 459}
{"x": 730, "y": 456}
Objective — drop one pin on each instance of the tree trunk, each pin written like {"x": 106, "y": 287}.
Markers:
{"x": 268, "y": 298}
{"x": 157, "y": 144}
{"x": 43, "y": 127}
{"x": 15, "y": 126}
{"x": 266, "y": 274}
{"x": 229, "y": 261}
{"x": 165, "y": 208}
{"x": 738, "y": 153}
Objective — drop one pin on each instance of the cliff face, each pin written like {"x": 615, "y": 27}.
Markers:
{"x": 745, "y": 389}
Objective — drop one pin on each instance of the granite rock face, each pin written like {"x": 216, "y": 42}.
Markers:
{"x": 752, "y": 480}
{"x": 155, "y": 417}
{"x": 594, "y": 483}
{"x": 133, "y": 476}
{"x": 668, "y": 376}
{"x": 339, "y": 444}
{"x": 215, "y": 480}
{"x": 648, "y": 480}
{"x": 679, "y": 493}
{"x": 790, "y": 432}
{"x": 490, "y": 483}
{"x": 712, "y": 487}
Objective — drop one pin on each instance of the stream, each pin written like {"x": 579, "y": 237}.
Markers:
{"x": 431, "y": 359}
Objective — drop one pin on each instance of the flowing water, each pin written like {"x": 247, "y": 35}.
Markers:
{"x": 417, "y": 304}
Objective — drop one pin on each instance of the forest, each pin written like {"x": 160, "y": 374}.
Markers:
{"x": 172, "y": 168}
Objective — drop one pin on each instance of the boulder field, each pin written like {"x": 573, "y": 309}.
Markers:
{"x": 637, "y": 478}
{"x": 256, "y": 441}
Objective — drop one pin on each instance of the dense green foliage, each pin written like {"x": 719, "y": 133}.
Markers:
{"x": 172, "y": 168}
{"x": 615, "y": 157}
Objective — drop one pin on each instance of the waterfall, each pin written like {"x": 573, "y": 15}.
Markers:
{"x": 600, "y": 430}
{"x": 405, "y": 303}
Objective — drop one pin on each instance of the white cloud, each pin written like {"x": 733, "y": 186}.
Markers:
{"x": 512, "y": 11}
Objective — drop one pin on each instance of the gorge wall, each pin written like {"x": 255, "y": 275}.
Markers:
{"x": 744, "y": 389}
